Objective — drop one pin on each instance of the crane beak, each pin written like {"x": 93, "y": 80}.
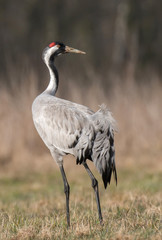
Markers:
{"x": 73, "y": 50}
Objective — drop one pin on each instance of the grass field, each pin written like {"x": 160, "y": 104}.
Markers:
{"x": 33, "y": 206}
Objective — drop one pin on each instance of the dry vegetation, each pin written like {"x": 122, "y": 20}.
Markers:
{"x": 32, "y": 198}
{"x": 33, "y": 207}
{"x": 137, "y": 110}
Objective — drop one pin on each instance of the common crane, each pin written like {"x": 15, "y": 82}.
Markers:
{"x": 70, "y": 128}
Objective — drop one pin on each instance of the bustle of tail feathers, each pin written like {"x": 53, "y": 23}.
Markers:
{"x": 103, "y": 151}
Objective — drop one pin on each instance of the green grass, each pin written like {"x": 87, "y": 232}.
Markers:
{"x": 33, "y": 207}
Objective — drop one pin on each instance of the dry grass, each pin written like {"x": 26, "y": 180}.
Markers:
{"x": 33, "y": 207}
{"x": 32, "y": 204}
{"x": 137, "y": 110}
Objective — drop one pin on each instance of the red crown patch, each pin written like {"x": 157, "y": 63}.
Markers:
{"x": 52, "y": 44}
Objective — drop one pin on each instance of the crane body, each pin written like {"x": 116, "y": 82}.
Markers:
{"x": 70, "y": 128}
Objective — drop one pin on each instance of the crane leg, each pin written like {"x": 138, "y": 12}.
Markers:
{"x": 95, "y": 187}
{"x": 67, "y": 193}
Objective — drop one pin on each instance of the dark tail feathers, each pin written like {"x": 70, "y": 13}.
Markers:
{"x": 110, "y": 166}
{"x": 103, "y": 155}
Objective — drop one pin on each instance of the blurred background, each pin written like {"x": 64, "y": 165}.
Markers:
{"x": 122, "y": 68}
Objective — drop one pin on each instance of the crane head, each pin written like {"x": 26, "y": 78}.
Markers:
{"x": 55, "y": 49}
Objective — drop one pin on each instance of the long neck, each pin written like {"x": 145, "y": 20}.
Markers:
{"x": 54, "y": 79}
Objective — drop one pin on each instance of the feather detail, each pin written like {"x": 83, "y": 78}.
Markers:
{"x": 103, "y": 151}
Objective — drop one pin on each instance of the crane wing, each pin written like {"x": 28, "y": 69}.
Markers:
{"x": 63, "y": 127}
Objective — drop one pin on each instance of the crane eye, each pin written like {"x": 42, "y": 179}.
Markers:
{"x": 52, "y": 44}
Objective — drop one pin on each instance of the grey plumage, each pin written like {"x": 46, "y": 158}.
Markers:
{"x": 70, "y": 128}
{"x": 103, "y": 151}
